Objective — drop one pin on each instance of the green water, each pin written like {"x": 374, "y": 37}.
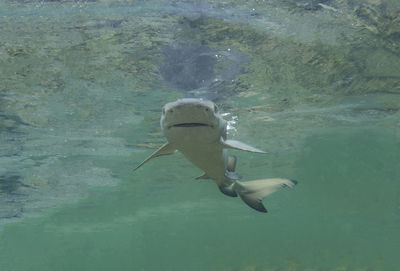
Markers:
{"x": 80, "y": 103}
{"x": 344, "y": 214}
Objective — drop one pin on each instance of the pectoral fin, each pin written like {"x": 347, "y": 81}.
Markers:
{"x": 204, "y": 176}
{"x": 237, "y": 145}
{"x": 163, "y": 150}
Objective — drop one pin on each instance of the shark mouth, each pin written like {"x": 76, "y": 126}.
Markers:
{"x": 189, "y": 124}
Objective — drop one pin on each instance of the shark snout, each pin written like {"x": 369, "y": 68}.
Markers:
{"x": 189, "y": 116}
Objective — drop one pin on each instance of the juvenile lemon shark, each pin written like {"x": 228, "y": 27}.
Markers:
{"x": 195, "y": 128}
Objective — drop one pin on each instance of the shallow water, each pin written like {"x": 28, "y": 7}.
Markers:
{"x": 82, "y": 86}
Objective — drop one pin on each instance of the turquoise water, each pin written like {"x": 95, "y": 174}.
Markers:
{"x": 82, "y": 86}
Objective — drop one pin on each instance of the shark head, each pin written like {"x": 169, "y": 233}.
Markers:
{"x": 188, "y": 119}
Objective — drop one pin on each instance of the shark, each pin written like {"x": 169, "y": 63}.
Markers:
{"x": 195, "y": 128}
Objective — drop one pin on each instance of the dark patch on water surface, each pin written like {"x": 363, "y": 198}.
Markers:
{"x": 188, "y": 67}
{"x": 10, "y": 123}
{"x": 12, "y": 196}
{"x": 10, "y": 184}
{"x": 218, "y": 91}
{"x": 11, "y": 200}
{"x": 200, "y": 71}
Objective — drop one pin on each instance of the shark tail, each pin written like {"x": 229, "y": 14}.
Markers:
{"x": 252, "y": 192}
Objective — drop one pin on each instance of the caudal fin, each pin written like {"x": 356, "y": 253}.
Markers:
{"x": 252, "y": 192}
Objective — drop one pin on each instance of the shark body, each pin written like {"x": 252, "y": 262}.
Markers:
{"x": 194, "y": 127}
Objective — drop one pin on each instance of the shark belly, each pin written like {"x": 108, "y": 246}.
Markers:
{"x": 207, "y": 157}
{"x": 201, "y": 146}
